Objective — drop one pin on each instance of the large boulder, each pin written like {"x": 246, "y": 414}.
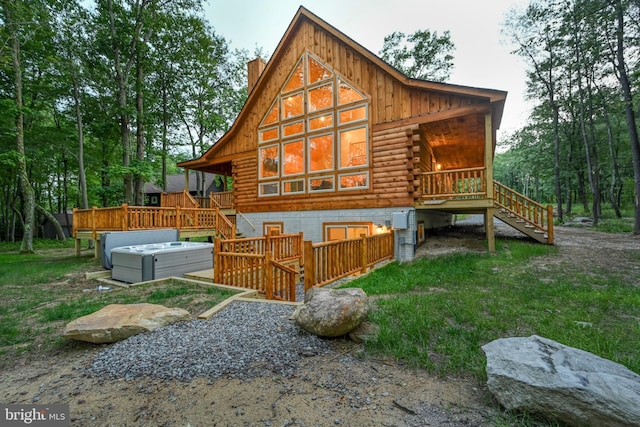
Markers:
{"x": 573, "y": 386}
{"x": 332, "y": 312}
{"x": 116, "y": 322}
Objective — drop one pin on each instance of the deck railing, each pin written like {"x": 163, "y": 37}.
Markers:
{"x": 222, "y": 199}
{"x": 327, "y": 262}
{"x": 126, "y": 218}
{"x": 259, "y": 264}
{"x": 524, "y": 208}
{"x": 183, "y": 199}
{"x": 466, "y": 183}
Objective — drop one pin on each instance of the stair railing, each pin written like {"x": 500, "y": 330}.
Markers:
{"x": 524, "y": 208}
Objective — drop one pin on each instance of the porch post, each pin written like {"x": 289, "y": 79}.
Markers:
{"x": 488, "y": 164}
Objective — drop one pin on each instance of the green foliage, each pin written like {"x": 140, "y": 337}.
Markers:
{"x": 421, "y": 55}
{"x": 437, "y": 313}
{"x": 191, "y": 84}
{"x": 577, "y": 145}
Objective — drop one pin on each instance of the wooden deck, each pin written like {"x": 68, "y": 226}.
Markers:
{"x": 467, "y": 190}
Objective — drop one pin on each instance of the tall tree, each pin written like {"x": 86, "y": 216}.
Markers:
{"x": 13, "y": 15}
{"x": 619, "y": 60}
{"x": 421, "y": 55}
{"x": 534, "y": 34}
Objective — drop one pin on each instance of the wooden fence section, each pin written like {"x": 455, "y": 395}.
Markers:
{"x": 327, "y": 262}
{"x": 454, "y": 184}
{"x": 182, "y": 199}
{"x": 259, "y": 264}
{"x": 222, "y": 199}
{"x": 127, "y": 218}
{"x": 528, "y": 210}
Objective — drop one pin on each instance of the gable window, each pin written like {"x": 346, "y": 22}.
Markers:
{"x": 315, "y": 135}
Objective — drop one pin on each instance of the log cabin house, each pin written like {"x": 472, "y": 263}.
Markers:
{"x": 334, "y": 142}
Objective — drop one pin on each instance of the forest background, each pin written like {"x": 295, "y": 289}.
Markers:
{"x": 98, "y": 98}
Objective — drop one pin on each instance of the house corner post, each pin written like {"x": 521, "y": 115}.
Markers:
{"x": 489, "y": 148}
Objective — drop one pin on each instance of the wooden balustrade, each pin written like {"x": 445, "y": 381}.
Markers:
{"x": 182, "y": 199}
{"x": 281, "y": 280}
{"x": 257, "y": 263}
{"x": 222, "y": 199}
{"x": 454, "y": 184}
{"x": 125, "y": 218}
{"x": 224, "y": 225}
{"x": 526, "y": 209}
{"x": 327, "y": 262}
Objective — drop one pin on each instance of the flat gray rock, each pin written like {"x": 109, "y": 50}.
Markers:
{"x": 573, "y": 386}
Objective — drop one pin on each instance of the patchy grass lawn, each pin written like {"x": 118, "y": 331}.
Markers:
{"x": 40, "y": 293}
{"x": 437, "y": 313}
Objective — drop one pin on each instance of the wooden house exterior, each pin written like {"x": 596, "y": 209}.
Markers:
{"x": 334, "y": 142}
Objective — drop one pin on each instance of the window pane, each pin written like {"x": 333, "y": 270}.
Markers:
{"x": 293, "y": 158}
{"x": 320, "y": 98}
{"x": 324, "y": 183}
{"x": 269, "y": 162}
{"x": 347, "y": 94}
{"x": 272, "y": 115}
{"x": 336, "y": 233}
{"x": 353, "y": 181}
{"x": 353, "y": 148}
{"x": 321, "y": 153}
{"x": 293, "y": 186}
{"x": 317, "y": 72}
{"x": 321, "y": 122}
{"x": 269, "y": 189}
{"x": 296, "y": 80}
{"x": 293, "y": 129}
{"x": 268, "y": 134}
{"x": 292, "y": 106}
{"x": 352, "y": 115}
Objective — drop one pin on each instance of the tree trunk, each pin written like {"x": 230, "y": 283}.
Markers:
{"x": 82, "y": 179}
{"x": 613, "y": 188}
{"x": 26, "y": 190}
{"x": 625, "y": 86}
{"x": 138, "y": 178}
{"x": 59, "y": 232}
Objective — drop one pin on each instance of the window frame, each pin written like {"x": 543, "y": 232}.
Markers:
{"x": 335, "y": 130}
{"x": 339, "y": 148}
{"x": 260, "y": 159}
{"x": 341, "y": 175}
{"x": 346, "y": 224}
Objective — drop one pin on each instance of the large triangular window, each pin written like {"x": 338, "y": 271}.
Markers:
{"x": 315, "y": 135}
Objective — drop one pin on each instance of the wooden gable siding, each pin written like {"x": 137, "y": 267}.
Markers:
{"x": 392, "y": 165}
{"x": 390, "y": 98}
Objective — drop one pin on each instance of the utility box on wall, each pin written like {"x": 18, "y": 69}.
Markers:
{"x": 400, "y": 220}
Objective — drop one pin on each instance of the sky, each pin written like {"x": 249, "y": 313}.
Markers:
{"x": 481, "y": 57}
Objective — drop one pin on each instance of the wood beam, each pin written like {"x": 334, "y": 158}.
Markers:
{"x": 435, "y": 117}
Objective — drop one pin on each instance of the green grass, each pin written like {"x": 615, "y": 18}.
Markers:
{"x": 437, "y": 313}
{"x": 41, "y": 292}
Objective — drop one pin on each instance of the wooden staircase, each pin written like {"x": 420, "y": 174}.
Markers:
{"x": 523, "y": 214}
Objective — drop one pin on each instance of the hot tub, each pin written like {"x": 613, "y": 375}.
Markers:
{"x": 139, "y": 263}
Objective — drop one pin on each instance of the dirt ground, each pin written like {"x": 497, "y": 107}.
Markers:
{"x": 328, "y": 390}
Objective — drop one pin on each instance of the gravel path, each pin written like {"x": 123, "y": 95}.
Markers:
{"x": 245, "y": 339}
